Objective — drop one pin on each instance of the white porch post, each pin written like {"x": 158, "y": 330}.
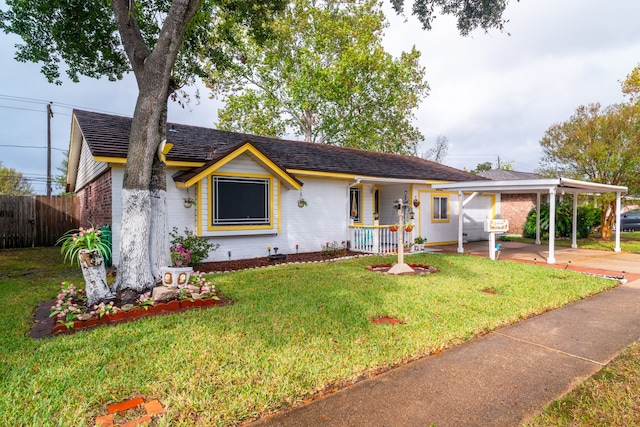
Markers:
{"x": 574, "y": 228}
{"x": 537, "y": 218}
{"x": 552, "y": 226}
{"x": 460, "y": 221}
{"x": 618, "y": 200}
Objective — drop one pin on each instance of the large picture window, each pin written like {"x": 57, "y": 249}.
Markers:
{"x": 440, "y": 208}
{"x": 240, "y": 201}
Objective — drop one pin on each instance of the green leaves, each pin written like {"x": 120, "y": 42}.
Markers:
{"x": 13, "y": 183}
{"x": 471, "y": 14}
{"x": 326, "y": 77}
{"x": 74, "y": 241}
{"x": 597, "y": 144}
{"x": 81, "y": 34}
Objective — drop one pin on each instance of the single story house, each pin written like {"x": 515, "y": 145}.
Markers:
{"x": 252, "y": 193}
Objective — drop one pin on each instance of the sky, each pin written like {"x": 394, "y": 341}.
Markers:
{"x": 493, "y": 95}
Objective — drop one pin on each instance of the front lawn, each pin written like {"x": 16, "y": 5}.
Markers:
{"x": 293, "y": 331}
{"x": 609, "y": 398}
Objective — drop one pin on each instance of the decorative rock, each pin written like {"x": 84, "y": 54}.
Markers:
{"x": 164, "y": 293}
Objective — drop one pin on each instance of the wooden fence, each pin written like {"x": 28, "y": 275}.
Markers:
{"x": 27, "y": 221}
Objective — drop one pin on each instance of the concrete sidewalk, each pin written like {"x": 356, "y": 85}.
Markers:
{"x": 500, "y": 379}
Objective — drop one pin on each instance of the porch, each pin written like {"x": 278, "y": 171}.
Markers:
{"x": 378, "y": 239}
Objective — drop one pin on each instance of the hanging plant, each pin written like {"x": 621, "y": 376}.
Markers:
{"x": 189, "y": 201}
{"x": 302, "y": 203}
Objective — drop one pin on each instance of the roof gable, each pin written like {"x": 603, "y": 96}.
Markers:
{"x": 192, "y": 177}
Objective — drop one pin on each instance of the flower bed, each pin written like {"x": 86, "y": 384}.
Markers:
{"x": 71, "y": 313}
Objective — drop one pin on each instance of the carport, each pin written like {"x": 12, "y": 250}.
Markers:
{"x": 470, "y": 189}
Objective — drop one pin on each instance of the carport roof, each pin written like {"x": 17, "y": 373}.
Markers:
{"x": 531, "y": 186}
{"x": 551, "y": 186}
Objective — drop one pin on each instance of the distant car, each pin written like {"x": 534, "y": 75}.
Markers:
{"x": 630, "y": 220}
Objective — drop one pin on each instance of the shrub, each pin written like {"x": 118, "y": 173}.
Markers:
{"x": 588, "y": 218}
{"x": 334, "y": 248}
{"x": 198, "y": 247}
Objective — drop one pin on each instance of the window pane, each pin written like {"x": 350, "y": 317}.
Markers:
{"x": 443, "y": 208}
{"x": 440, "y": 208}
{"x": 240, "y": 201}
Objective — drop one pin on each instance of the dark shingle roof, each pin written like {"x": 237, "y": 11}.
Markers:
{"x": 507, "y": 175}
{"x": 108, "y": 136}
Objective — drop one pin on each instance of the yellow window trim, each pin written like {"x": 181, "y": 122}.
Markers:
{"x": 375, "y": 208}
{"x": 448, "y": 218}
{"x": 256, "y": 155}
{"x": 269, "y": 226}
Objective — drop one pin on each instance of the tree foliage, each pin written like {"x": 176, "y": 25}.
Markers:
{"x": 631, "y": 85}
{"x": 13, "y": 183}
{"x": 325, "y": 77}
{"x": 599, "y": 145}
{"x": 471, "y": 14}
{"x": 482, "y": 167}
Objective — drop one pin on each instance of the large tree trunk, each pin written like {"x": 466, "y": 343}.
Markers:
{"x": 153, "y": 75}
{"x": 159, "y": 255}
{"x": 134, "y": 270}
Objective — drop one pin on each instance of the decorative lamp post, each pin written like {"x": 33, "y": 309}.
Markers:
{"x": 400, "y": 267}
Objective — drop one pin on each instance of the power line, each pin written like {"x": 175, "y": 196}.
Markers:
{"x": 30, "y": 146}
{"x": 54, "y": 104}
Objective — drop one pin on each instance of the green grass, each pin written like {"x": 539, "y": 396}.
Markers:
{"x": 629, "y": 242}
{"x": 609, "y": 398}
{"x": 293, "y": 331}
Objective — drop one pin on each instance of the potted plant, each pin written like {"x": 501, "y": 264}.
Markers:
{"x": 89, "y": 249}
{"x": 408, "y": 227}
{"x": 177, "y": 275}
{"x": 302, "y": 203}
{"x": 189, "y": 201}
{"x": 419, "y": 243}
{"x": 393, "y": 228}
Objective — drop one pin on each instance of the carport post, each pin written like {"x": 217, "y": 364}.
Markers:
{"x": 574, "y": 228}
{"x": 537, "y": 218}
{"x": 617, "y": 248}
{"x": 460, "y": 221}
{"x": 552, "y": 226}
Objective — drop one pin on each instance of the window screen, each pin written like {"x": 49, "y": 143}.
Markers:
{"x": 240, "y": 201}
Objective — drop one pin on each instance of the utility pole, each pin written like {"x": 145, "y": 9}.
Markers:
{"x": 49, "y": 116}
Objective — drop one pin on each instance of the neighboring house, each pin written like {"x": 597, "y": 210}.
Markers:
{"x": 514, "y": 207}
{"x": 248, "y": 188}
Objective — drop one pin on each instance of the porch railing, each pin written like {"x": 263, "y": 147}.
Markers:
{"x": 376, "y": 239}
